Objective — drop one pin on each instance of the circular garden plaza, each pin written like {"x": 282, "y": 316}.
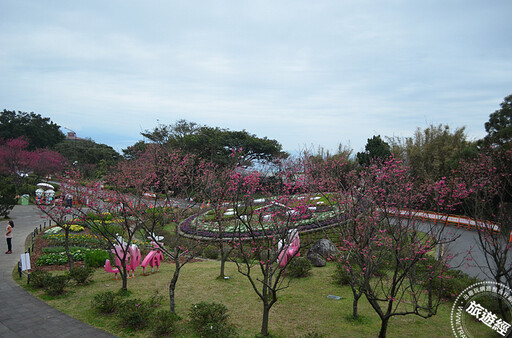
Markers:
{"x": 219, "y": 270}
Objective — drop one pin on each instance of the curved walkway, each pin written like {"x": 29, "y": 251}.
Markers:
{"x": 23, "y": 315}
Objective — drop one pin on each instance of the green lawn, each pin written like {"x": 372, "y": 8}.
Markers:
{"x": 302, "y": 308}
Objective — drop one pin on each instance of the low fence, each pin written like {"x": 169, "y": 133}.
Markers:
{"x": 456, "y": 220}
{"x": 24, "y": 266}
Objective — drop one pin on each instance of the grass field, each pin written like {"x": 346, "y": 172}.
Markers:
{"x": 302, "y": 308}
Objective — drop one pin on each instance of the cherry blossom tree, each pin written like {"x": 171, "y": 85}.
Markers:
{"x": 60, "y": 213}
{"x": 46, "y": 162}
{"x": 487, "y": 182}
{"x": 218, "y": 194}
{"x": 178, "y": 178}
{"x": 17, "y": 161}
{"x": 264, "y": 236}
{"x": 382, "y": 243}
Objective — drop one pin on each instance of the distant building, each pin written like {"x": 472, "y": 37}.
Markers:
{"x": 72, "y": 136}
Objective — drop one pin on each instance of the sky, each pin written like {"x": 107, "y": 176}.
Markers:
{"x": 308, "y": 74}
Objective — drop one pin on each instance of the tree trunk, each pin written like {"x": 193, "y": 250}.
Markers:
{"x": 66, "y": 248}
{"x": 124, "y": 277}
{"x": 264, "y": 321}
{"x": 355, "y": 301}
{"x": 172, "y": 286}
{"x": 224, "y": 254}
{"x": 383, "y": 327}
{"x": 222, "y": 264}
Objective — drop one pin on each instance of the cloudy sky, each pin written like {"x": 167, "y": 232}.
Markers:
{"x": 306, "y": 73}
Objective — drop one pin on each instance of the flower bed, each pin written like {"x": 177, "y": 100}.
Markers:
{"x": 61, "y": 258}
{"x": 197, "y": 227}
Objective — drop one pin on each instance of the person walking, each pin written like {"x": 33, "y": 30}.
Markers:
{"x": 8, "y": 236}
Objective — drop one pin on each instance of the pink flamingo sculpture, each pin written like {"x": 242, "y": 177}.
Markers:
{"x": 152, "y": 259}
{"x": 108, "y": 268}
{"x": 287, "y": 251}
{"x": 118, "y": 252}
{"x": 134, "y": 255}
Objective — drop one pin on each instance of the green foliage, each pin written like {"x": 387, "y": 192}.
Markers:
{"x": 87, "y": 152}
{"x": 211, "y": 320}
{"x": 155, "y": 300}
{"x": 341, "y": 276}
{"x": 375, "y": 148}
{"x": 215, "y": 144}
{"x": 164, "y": 323}
{"x": 299, "y": 267}
{"x": 106, "y": 216}
{"x": 499, "y": 126}
{"x": 39, "y": 131}
{"x": 449, "y": 283}
{"x": 82, "y": 240}
{"x": 432, "y": 153}
{"x": 61, "y": 258}
{"x": 107, "y": 227}
{"x": 106, "y": 302}
{"x": 81, "y": 274}
{"x": 211, "y": 252}
{"x": 39, "y": 278}
{"x": 133, "y": 152}
{"x": 269, "y": 335}
{"x": 59, "y": 249}
{"x": 7, "y": 196}
{"x": 453, "y": 283}
{"x": 96, "y": 258}
{"x": 134, "y": 313}
{"x": 26, "y": 189}
{"x": 312, "y": 335}
{"x": 57, "y": 284}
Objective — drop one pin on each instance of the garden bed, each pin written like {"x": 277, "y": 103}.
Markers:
{"x": 39, "y": 244}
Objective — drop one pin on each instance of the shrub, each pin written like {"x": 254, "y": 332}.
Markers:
{"x": 453, "y": 283}
{"x": 211, "y": 252}
{"x": 211, "y": 320}
{"x": 341, "y": 276}
{"x": 56, "y": 285}
{"x": 106, "y": 216}
{"x": 299, "y": 267}
{"x": 134, "y": 313}
{"x": 164, "y": 323}
{"x": 155, "y": 300}
{"x": 59, "y": 249}
{"x": 96, "y": 258}
{"x": 105, "y": 302}
{"x": 84, "y": 240}
{"x": 61, "y": 258}
{"x": 81, "y": 274}
{"x": 312, "y": 335}
{"x": 39, "y": 278}
{"x": 448, "y": 283}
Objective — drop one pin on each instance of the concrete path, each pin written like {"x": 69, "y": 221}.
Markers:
{"x": 21, "y": 314}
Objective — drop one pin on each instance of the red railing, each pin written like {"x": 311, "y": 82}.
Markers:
{"x": 457, "y": 220}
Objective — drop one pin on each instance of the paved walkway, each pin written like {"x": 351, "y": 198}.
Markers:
{"x": 21, "y": 314}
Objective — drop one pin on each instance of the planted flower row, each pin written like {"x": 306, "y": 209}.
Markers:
{"x": 190, "y": 226}
{"x": 61, "y": 257}
{"x": 85, "y": 240}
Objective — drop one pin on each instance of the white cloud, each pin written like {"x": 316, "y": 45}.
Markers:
{"x": 300, "y": 72}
